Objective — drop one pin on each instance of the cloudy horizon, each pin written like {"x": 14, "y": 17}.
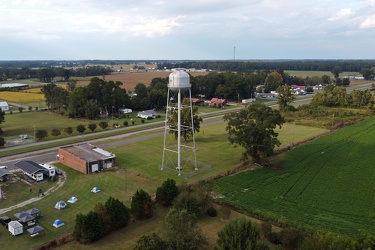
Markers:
{"x": 188, "y": 30}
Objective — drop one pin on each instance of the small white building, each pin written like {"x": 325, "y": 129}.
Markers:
{"x": 4, "y": 106}
{"x": 15, "y": 228}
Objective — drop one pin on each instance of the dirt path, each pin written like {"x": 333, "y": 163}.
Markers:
{"x": 59, "y": 184}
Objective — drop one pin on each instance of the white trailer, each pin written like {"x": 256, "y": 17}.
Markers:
{"x": 51, "y": 169}
{"x": 15, "y": 228}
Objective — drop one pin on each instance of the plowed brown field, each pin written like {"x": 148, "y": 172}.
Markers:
{"x": 130, "y": 80}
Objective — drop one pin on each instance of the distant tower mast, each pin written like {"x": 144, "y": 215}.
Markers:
{"x": 234, "y": 53}
{"x": 179, "y": 81}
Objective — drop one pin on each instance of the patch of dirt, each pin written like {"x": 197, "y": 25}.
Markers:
{"x": 130, "y": 80}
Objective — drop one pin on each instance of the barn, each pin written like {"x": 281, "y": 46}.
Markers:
{"x": 86, "y": 158}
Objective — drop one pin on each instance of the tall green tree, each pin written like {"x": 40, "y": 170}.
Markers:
{"x": 186, "y": 123}
{"x": 167, "y": 192}
{"x": 119, "y": 213}
{"x": 239, "y": 234}
{"x": 285, "y": 97}
{"x": 368, "y": 73}
{"x": 180, "y": 231}
{"x": 88, "y": 227}
{"x": 253, "y": 128}
{"x": 141, "y": 205}
{"x": 336, "y": 71}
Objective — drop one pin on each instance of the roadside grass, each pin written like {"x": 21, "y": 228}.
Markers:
{"x": 23, "y": 123}
{"x": 325, "y": 185}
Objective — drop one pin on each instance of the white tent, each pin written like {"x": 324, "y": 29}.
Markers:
{"x": 72, "y": 199}
{"x": 58, "y": 223}
{"x": 95, "y": 190}
{"x": 15, "y": 228}
{"x": 60, "y": 205}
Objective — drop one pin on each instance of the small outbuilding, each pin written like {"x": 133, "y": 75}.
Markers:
{"x": 86, "y": 158}
{"x": 4, "y": 106}
{"x": 58, "y": 223}
{"x": 15, "y": 228}
{"x": 61, "y": 205}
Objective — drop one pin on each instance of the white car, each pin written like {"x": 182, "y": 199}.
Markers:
{"x": 3, "y": 167}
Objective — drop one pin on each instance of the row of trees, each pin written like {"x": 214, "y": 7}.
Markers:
{"x": 333, "y": 96}
{"x": 48, "y": 74}
{"x": 246, "y": 65}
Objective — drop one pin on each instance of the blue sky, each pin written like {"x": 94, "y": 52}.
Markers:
{"x": 194, "y": 29}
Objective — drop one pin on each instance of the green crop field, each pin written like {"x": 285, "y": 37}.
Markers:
{"x": 325, "y": 185}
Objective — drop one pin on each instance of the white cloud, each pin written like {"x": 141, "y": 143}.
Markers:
{"x": 343, "y": 13}
{"x": 369, "y": 22}
{"x": 203, "y": 27}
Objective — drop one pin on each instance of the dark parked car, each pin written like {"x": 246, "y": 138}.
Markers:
{"x": 5, "y": 220}
{"x": 58, "y": 171}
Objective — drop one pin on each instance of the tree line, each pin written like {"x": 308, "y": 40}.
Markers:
{"x": 48, "y": 74}
{"x": 250, "y": 65}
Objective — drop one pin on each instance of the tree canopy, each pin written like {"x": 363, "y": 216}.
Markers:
{"x": 253, "y": 128}
{"x": 239, "y": 234}
{"x": 186, "y": 122}
{"x": 285, "y": 97}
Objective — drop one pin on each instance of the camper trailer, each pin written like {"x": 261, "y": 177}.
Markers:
{"x": 15, "y": 228}
{"x": 50, "y": 169}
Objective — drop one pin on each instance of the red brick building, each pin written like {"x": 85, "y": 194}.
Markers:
{"x": 86, "y": 158}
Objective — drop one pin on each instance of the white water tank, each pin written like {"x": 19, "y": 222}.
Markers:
{"x": 179, "y": 79}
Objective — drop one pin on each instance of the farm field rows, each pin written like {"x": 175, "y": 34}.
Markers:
{"x": 325, "y": 185}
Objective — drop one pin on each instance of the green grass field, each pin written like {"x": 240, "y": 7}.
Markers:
{"x": 138, "y": 168}
{"x": 325, "y": 185}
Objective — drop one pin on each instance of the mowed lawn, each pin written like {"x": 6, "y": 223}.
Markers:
{"x": 138, "y": 167}
{"x": 325, "y": 185}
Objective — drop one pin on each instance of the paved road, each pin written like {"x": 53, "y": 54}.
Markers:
{"x": 49, "y": 155}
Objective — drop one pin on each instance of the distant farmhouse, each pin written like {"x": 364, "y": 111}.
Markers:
{"x": 218, "y": 102}
{"x": 86, "y": 158}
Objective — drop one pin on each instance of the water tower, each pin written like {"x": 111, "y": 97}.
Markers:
{"x": 178, "y": 154}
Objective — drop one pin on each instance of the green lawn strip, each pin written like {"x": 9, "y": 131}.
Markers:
{"x": 324, "y": 185}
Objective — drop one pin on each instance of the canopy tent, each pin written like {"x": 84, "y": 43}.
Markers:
{"x": 60, "y": 205}
{"x": 26, "y": 218}
{"x": 95, "y": 190}
{"x": 72, "y": 199}
{"x": 35, "y": 230}
{"x": 58, "y": 223}
{"x": 34, "y": 211}
{"x": 20, "y": 214}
